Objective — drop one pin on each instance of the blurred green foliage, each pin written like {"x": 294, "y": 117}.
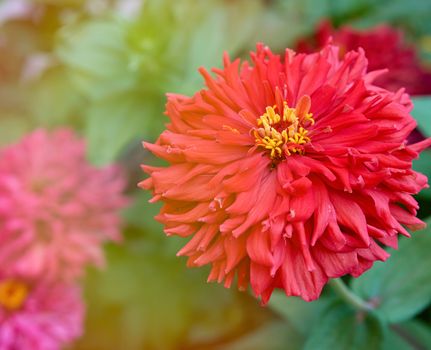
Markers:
{"x": 342, "y": 328}
{"x": 123, "y": 68}
{"x": 400, "y": 287}
{"x": 146, "y": 300}
{"x": 103, "y": 67}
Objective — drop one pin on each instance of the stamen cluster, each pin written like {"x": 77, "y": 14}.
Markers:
{"x": 286, "y": 135}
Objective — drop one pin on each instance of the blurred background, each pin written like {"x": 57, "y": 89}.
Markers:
{"x": 103, "y": 67}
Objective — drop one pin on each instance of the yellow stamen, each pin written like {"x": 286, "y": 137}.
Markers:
{"x": 283, "y": 134}
{"x": 13, "y": 294}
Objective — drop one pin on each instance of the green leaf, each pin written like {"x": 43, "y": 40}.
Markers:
{"x": 410, "y": 335}
{"x": 346, "y": 9}
{"x": 343, "y": 328}
{"x": 422, "y": 113}
{"x": 394, "y": 341}
{"x": 227, "y": 27}
{"x": 401, "y": 286}
{"x": 97, "y": 56}
{"x": 301, "y": 314}
{"x": 413, "y": 17}
{"x": 423, "y": 165}
{"x": 419, "y": 331}
{"x": 113, "y": 122}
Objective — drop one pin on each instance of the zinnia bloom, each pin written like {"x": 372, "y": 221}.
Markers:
{"x": 288, "y": 171}
{"x": 384, "y": 47}
{"x": 38, "y": 315}
{"x": 55, "y": 208}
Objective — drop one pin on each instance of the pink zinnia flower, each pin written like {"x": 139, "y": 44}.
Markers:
{"x": 38, "y": 315}
{"x": 288, "y": 171}
{"x": 55, "y": 208}
{"x": 384, "y": 47}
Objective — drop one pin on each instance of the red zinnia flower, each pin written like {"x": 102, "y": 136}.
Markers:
{"x": 287, "y": 172}
{"x": 384, "y": 47}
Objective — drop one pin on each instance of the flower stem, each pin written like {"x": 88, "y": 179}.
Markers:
{"x": 348, "y": 296}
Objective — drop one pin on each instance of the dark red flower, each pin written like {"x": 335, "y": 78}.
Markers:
{"x": 384, "y": 47}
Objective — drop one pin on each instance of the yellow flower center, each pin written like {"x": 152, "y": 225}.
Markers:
{"x": 13, "y": 293}
{"x": 284, "y": 135}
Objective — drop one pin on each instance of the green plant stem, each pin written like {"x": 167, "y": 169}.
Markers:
{"x": 348, "y": 296}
